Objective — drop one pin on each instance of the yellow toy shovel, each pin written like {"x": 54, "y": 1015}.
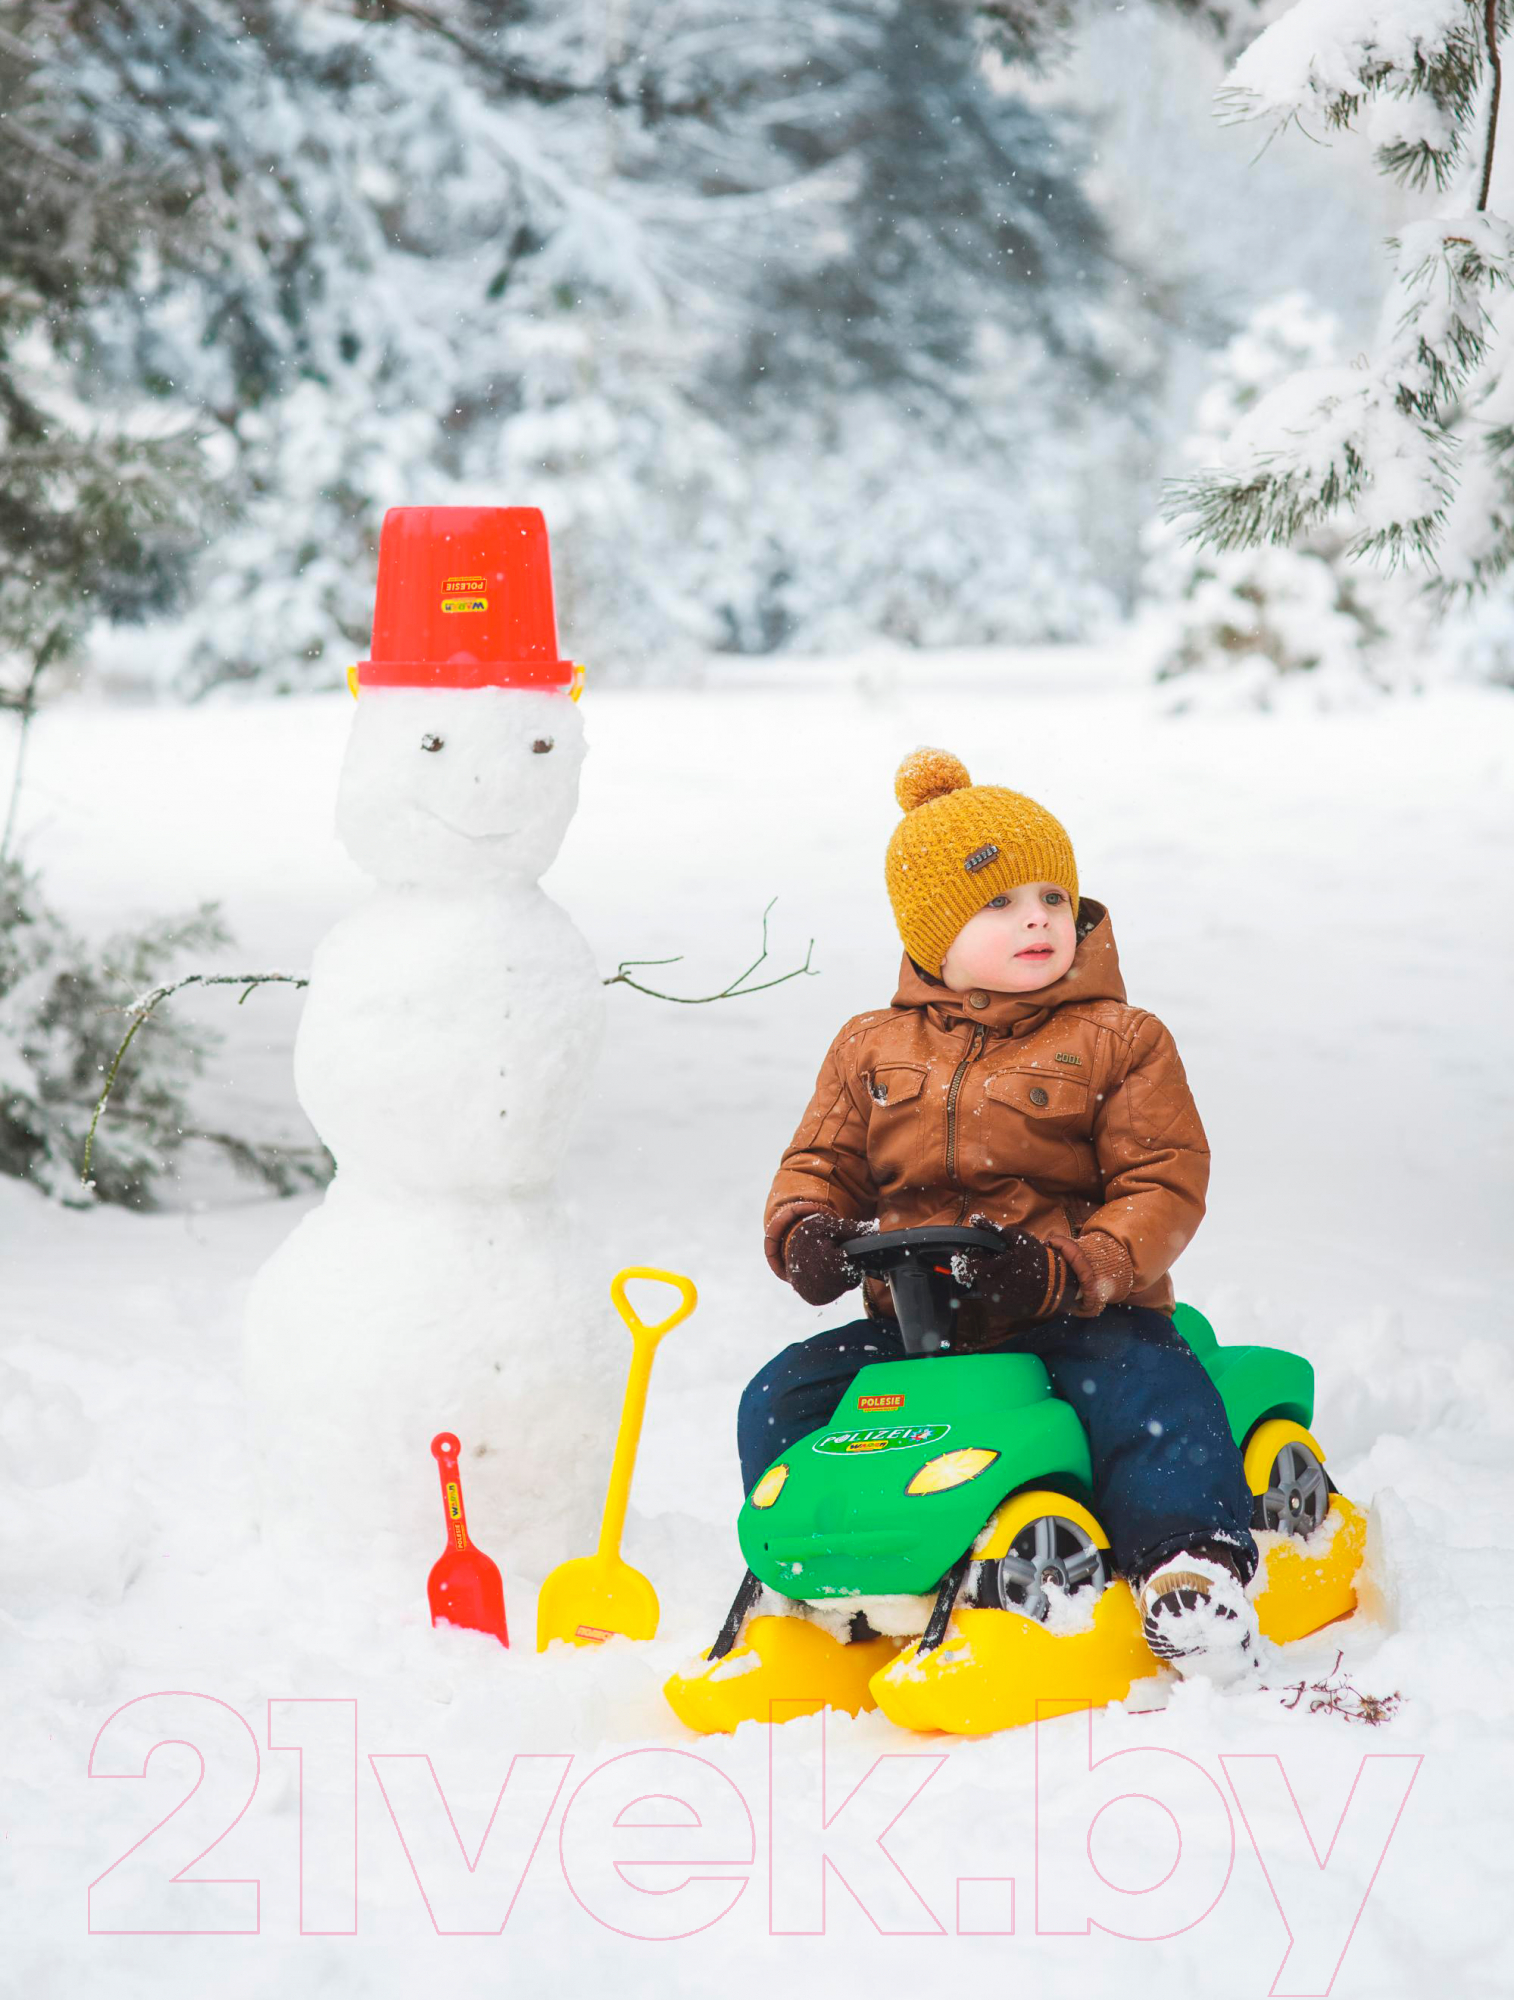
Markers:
{"x": 593, "y": 1598}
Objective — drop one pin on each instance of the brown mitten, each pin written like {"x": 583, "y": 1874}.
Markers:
{"x": 813, "y": 1261}
{"x": 1024, "y": 1282}
{"x": 1101, "y": 1270}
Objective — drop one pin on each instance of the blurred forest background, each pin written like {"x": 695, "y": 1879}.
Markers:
{"x": 810, "y": 323}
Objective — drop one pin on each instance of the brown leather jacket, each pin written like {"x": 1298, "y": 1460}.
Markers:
{"x": 1065, "y": 1111}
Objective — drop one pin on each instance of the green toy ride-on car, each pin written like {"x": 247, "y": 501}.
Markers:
{"x": 932, "y": 1549}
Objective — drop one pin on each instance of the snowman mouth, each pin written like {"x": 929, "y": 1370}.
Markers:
{"x": 462, "y": 832}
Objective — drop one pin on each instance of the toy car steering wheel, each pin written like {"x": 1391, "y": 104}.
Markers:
{"x": 916, "y": 1264}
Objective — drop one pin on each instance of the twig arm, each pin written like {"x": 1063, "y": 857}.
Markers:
{"x": 143, "y": 1008}
{"x": 141, "y": 1011}
{"x": 735, "y": 989}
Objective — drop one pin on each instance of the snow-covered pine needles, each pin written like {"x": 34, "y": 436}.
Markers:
{"x": 1409, "y": 452}
{"x": 1377, "y": 441}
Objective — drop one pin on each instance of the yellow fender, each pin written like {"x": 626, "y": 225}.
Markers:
{"x": 1304, "y": 1584}
{"x": 782, "y": 1659}
{"x": 1020, "y": 1509}
{"x": 993, "y": 1667}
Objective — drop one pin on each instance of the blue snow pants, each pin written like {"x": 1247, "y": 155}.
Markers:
{"x": 1166, "y": 1472}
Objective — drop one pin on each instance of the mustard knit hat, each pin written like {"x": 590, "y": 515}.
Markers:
{"x": 958, "y": 846}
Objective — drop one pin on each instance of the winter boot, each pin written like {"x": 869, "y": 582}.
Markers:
{"x": 1196, "y": 1618}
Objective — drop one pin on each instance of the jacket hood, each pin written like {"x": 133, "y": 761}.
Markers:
{"x": 1093, "y": 975}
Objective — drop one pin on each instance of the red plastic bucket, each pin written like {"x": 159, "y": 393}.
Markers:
{"x": 464, "y": 600}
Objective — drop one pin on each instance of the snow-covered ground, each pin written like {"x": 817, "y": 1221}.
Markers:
{"x": 1317, "y": 906}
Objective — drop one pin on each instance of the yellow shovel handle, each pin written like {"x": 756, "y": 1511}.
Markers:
{"x": 680, "y": 1312}
{"x": 644, "y": 1341}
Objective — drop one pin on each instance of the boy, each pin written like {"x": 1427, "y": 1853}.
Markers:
{"x": 1010, "y": 1084}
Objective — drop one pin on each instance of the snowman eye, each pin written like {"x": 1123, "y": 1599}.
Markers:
{"x": 431, "y": 743}
{"x": 541, "y": 746}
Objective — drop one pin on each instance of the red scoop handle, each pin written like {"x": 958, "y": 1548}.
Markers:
{"x": 445, "y": 1449}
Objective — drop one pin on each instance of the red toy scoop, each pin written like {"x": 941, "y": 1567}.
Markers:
{"x": 465, "y": 1587}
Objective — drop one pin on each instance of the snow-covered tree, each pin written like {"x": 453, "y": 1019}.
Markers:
{"x": 100, "y": 505}
{"x": 63, "y": 1008}
{"x": 712, "y": 287}
{"x": 918, "y": 343}
{"x": 1409, "y": 454}
{"x": 1038, "y": 31}
{"x": 1253, "y": 615}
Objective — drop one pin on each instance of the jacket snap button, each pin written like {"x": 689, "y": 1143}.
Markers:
{"x": 977, "y": 999}
{"x": 1039, "y": 1096}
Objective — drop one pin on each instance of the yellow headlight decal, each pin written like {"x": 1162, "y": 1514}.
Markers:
{"x": 769, "y": 1486}
{"x": 951, "y": 1468}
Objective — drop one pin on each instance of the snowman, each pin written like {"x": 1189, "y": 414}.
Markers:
{"x": 451, "y": 1023}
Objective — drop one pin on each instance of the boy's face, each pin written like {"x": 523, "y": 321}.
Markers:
{"x": 1018, "y": 943}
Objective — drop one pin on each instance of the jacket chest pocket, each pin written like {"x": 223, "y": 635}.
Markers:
{"x": 895, "y": 1083}
{"x": 1056, "y": 1105}
{"x": 895, "y": 1136}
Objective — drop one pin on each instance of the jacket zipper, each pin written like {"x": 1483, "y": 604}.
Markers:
{"x": 952, "y": 1094}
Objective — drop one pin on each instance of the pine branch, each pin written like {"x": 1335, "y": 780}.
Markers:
{"x": 1032, "y": 32}
{"x": 1277, "y": 502}
{"x": 122, "y": 458}
{"x": 526, "y": 83}
{"x": 13, "y": 49}
{"x": 1318, "y": 446}
{"x": 1443, "y": 331}
{"x": 24, "y": 704}
{"x": 520, "y": 81}
{"x": 286, "y": 1169}
{"x": 57, "y": 161}
{"x": 86, "y": 182}
{"x": 1302, "y": 63}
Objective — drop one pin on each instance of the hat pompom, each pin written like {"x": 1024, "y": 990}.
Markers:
{"x": 928, "y": 774}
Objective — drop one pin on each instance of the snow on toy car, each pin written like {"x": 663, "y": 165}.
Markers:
{"x": 932, "y": 1550}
